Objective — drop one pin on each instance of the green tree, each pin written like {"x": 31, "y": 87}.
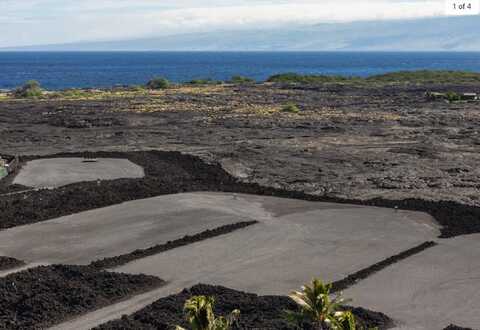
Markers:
{"x": 31, "y": 89}
{"x": 200, "y": 316}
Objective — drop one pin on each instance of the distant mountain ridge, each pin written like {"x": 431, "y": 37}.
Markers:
{"x": 428, "y": 34}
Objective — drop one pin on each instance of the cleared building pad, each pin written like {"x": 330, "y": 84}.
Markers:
{"x": 430, "y": 290}
{"x": 296, "y": 241}
{"x": 57, "y": 172}
{"x": 330, "y": 240}
{"x": 119, "y": 229}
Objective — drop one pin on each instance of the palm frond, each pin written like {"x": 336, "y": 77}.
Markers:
{"x": 319, "y": 307}
{"x": 200, "y": 316}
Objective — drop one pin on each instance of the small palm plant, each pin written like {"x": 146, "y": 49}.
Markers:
{"x": 346, "y": 321}
{"x": 320, "y": 309}
{"x": 200, "y": 316}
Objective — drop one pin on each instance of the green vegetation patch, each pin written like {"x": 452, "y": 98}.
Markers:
{"x": 31, "y": 89}
{"x": 401, "y": 77}
{"x": 158, "y": 83}
{"x": 291, "y": 108}
{"x": 427, "y": 76}
{"x": 242, "y": 80}
{"x": 3, "y": 172}
{"x": 453, "y": 97}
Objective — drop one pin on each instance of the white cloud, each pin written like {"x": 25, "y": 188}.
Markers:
{"x": 307, "y": 12}
{"x": 52, "y": 21}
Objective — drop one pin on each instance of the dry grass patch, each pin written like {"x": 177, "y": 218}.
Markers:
{"x": 360, "y": 116}
{"x": 88, "y": 95}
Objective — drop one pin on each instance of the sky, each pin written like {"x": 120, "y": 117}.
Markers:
{"x": 35, "y": 22}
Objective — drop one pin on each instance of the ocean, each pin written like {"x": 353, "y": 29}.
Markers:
{"x": 61, "y": 70}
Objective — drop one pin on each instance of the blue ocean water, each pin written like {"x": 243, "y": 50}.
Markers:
{"x": 57, "y": 70}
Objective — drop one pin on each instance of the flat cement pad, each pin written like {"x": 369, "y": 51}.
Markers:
{"x": 430, "y": 290}
{"x": 294, "y": 242}
{"x": 115, "y": 230}
{"x": 57, "y": 172}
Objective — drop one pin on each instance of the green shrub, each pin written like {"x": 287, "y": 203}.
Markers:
{"x": 31, "y": 89}
{"x": 453, "y": 97}
{"x": 400, "y": 77}
{"x": 241, "y": 80}
{"x": 427, "y": 76}
{"x": 291, "y": 107}
{"x": 158, "y": 83}
{"x": 3, "y": 171}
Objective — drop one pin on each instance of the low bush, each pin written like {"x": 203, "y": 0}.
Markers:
{"x": 158, "y": 83}
{"x": 31, "y": 89}
{"x": 291, "y": 108}
{"x": 241, "y": 80}
{"x": 401, "y": 77}
{"x": 427, "y": 76}
{"x": 453, "y": 97}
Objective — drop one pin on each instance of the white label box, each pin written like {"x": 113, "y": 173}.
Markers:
{"x": 462, "y": 7}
